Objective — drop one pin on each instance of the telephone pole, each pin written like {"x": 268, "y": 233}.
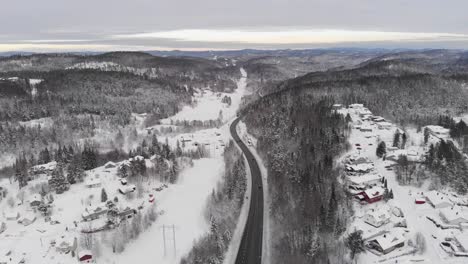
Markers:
{"x": 173, "y": 239}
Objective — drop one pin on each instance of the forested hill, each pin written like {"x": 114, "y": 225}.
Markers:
{"x": 299, "y": 138}
{"x": 195, "y": 72}
{"x": 406, "y": 91}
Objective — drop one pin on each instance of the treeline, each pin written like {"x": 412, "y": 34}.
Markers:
{"x": 299, "y": 137}
{"x": 223, "y": 210}
{"x": 400, "y": 92}
{"x": 448, "y": 166}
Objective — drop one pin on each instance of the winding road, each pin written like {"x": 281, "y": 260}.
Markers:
{"x": 250, "y": 249}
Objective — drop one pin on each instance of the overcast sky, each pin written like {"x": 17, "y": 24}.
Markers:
{"x": 61, "y": 25}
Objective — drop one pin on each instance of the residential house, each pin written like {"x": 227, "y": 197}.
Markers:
{"x": 387, "y": 242}
{"x": 127, "y": 212}
{"x": 66, "y": 244}
{"x": 337, "y": 106}
{"x": 27, "y": 219}
{"x": 378, "y": 119}
{"x": 127, "y": 189}
{"x": 377, "y": 217}
{"x": 356, "y": 106}
{"x": 438, "y": 131}
{"x": 109, "y": 165}
{"x": 94, "y": 212}
{"x": 93, "y": 183}
{"x": 366, "y": 128}
{"x": 366, "y": 179}
{"x": 372, "y": 195}
{"x": 35, "y": 200}
{"x": 462, "y": 241}
{"x": 437, "y": 199}
{"x": 453, "y": 215}
{"x": 12, "y": 215}
{"x": 384, "y": 125}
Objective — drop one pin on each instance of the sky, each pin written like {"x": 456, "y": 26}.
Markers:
{"x": 100, "y": 25}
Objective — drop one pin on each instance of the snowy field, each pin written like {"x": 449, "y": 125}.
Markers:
{"x": 207, "y": 104}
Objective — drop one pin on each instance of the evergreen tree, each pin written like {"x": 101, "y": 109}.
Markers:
{"x": 426, "y": 135}
{"x": 355, "y": 243}
{"x": 58, "y": 182}
{"x": 103, "y": 195}
{"x": 381, "y": 149}
{"x": 396, "y": 139}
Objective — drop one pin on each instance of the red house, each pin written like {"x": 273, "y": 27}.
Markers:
{"x": 420, "y": 200}
{"x": 85, "y": 256}
{"x": 371, "y": 195}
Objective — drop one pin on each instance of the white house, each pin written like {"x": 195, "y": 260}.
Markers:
{"x": 65, "y": 244}
{"x": 438, "y": 131}
{"x": 12, "y": 215}
{"x": 366, "y": 128}
{"x": 356, "y": 106}
{"x": 109, "y": 165}
{"x": 453, "y": 215}
{"x": 388, "y": 242}
{"x": 35, "y": 200}
{"x": 94, "y": 211}
{"x": 377, "y": 217}
{"x": 378, "y": 119}
{"x": 437, "y": 199}
{"x": 27, "y": 219}
{"x": 93, "y": 183}
{"x": 384, "y": 125}
{"x": 127, "y": 189}
{"x": 366, "y": 179}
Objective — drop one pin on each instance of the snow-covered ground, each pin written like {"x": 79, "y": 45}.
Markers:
{"x": 364, "y": 144}
{"x": 181, "y": 205}
{"x": 207, "y": 105}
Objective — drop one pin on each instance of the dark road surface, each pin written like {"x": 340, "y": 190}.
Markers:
{"x": 250, "y": 249}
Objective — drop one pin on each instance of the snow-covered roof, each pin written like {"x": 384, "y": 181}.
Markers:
{"x": 12, "y": 214}
{"x": 390, "y": 239}
{"x": 364, "y": 178}
{"x": 35, "y": 198}
{"x": 385, "y": 124}
{"x": 454, "y": 213}
{"x": 47, "y": 166}
{"x": 438, "y": 130}
{"x": 463, "y": 240}
{"x": 83, "y": 253}
{"x": 356, "y": 106}
{"x": 360, "y": 160}
{"x": 374, "y": 192}
{"x": 380, "y": 214}
{"x": 92, "y": 181}
{"x": 96, "y": 208}
{"x": 360, "y": 167}
{"x": 28, "y": 216}
{"x": 436, "y": 198}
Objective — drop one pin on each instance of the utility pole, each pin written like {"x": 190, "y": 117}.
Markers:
{"x": 174, "y": 237}
{"x": 164, "y": 238}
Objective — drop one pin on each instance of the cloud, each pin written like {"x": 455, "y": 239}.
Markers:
{"x": 279, "y": 37}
